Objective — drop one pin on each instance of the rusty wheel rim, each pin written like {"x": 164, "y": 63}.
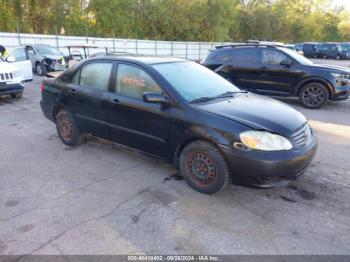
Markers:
{"x": 65, "y": 127}
{"x": 201, "y": 168}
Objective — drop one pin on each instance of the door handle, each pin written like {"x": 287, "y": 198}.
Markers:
{"x": 72, "y": 91}
{"x": 115, "y": 101}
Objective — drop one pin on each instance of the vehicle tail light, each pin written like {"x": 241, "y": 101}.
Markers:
{"x": 42, "y": 87}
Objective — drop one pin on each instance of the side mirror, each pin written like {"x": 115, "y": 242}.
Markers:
{"x": 286, "y": 63}
{"x": 11, "y": 59}
{"x": 150, "y": 97}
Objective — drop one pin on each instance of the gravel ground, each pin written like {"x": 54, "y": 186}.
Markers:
{"x": 99, "y": 198}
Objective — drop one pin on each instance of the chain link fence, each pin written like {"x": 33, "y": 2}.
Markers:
{"x": 188, "y": 50}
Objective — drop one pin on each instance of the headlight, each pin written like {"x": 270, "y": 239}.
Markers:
{"x": 343, "y": 76}
{"x": 17, "y": 73}
{"x": 266, "y": 141}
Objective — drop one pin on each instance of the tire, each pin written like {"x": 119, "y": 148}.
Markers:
{"x": 337, "y": 57}
{"x": 18, "y": 95}
{"x": 313, "y": 95}
{"x": 204, "y": 168}
{"x": 67, "y": 129}
{"x": 40, "y": 69}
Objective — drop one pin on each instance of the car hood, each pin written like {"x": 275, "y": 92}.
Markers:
{"x": 258, "y": 112}
{"x": 332, "y": 68}
{"x": 7, "y": 67}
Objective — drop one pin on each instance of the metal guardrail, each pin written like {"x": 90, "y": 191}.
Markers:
{"x": 188, "y": 50}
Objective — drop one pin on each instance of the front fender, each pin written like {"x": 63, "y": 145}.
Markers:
{"x": 313, "y": 79}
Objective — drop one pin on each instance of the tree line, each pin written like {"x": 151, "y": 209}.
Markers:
{"x": 186, "y": 20}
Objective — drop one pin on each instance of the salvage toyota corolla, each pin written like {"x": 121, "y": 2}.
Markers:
{"x": 181, "y": 112}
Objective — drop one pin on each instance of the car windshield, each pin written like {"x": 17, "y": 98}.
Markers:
{"x": 47, "y": 50}
{"x": 301, "y": 59}
{"x": 193, "y": 81}
{"x": 345, "y": 47}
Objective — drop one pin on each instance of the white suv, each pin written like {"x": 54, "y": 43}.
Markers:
{"x": 11, "y": 80}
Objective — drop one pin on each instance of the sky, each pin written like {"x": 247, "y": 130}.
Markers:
{"x": 345, "y": 3}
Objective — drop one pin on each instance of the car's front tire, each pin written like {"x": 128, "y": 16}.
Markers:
{"x": 40, "y": 69}
{"x": 313, "y": 95}
{"x": 18, "y": 95}
{"x": 204, "y": 168}
{"x": 67, "y": 129}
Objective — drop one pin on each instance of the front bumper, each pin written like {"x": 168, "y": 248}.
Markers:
{"x": 341, "y": 95}
{"x": 56, "y": 66}
{"x": 11, "y": 88}
{"x": 266, "y": 169}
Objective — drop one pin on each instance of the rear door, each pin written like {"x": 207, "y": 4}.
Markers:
{"x": 242, "y": 67}
{"x": 135, "y": 123}
{"x": 22, "y": 62}
{"x": 87, "y": 96}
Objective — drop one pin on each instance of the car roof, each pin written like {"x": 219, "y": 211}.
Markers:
{"x": 150, "y": 60}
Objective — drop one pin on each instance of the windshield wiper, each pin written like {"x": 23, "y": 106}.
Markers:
{"x": 231, "y": 93}
{"x": 223, "y": 95}
{"x": 202, "y": 99}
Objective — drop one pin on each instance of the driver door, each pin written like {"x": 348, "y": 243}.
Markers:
{"x": 277, "y": 79}
{"x": 20, "y": 59}
{"x": 133, "y": 122}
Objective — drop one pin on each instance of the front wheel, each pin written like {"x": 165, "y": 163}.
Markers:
{"x": 67, "y": 129}
{"x": 204, "y": 168}
{"x": 18, "y": 95}
{"x": 40, "y": 69}
{"x": 313, "y": 95}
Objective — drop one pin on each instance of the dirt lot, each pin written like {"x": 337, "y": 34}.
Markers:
{"x": 103, "y": 199}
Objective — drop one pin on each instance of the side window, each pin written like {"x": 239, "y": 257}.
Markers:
{"x": 95, "y": 75}
{"x": 246, "y": 55}
{"x": 272, "y": 56}
{"x": 19, "y": 54}
{"x": 222, "y": 56}
{"x": 30, "y": 50}
{"x": 133, "y": 82}
{"x": 75, "y": 79}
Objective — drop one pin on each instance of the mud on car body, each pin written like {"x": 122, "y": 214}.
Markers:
{"x": 184, "y": 113}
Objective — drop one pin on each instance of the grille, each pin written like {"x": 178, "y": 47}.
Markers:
{"x": 6, "y": 76}
{"x": 302, "y": 136}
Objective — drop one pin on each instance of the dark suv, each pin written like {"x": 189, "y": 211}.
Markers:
{"x": 312, "y": 49}
{"x": 279, "y": 71}
{"x": 334, "y": 51}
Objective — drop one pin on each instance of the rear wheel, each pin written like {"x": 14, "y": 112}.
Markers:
{"x": 204, "y": 168}
{"x": 313, "y": 95}
{"x": 67, "y": 129}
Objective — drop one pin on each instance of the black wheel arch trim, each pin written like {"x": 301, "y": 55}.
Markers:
{"x": 321, "y": 80}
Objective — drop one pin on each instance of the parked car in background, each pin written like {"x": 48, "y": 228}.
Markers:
{"x": 312, "y": 49}
{"x": 334, "y": 51}
{"x": 11, "y": 80}
{"x": 294, "y": 48}
{"x": 200, "y": 122}
{"x": 19, "y": 57}
{"x": 279, "y": 71}
{"x": 299, "y": 47}
{"x": 45, "y": 58}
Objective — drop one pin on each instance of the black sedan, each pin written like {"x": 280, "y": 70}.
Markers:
{"x": 184, "y": 113}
